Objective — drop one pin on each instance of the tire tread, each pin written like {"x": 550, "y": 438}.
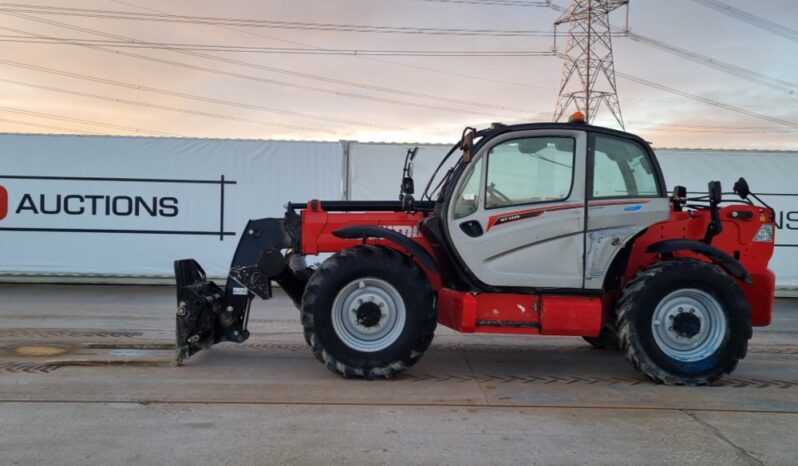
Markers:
{"x": 627, "y": 305}
{"x": 333, "y": 266}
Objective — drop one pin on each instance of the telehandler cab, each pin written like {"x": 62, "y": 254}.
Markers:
{"x": 548, "y": 228}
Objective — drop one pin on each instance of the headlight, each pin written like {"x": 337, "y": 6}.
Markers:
{"x": 765, "y": 233}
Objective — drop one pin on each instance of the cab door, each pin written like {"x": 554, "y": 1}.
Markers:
{"x": 517, "y": 218}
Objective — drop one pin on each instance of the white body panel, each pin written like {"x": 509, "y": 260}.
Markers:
{"x": 611, "y": 225}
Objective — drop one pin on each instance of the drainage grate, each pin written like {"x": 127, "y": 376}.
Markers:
{"x": 28, "y": 367}
{"x": 78, "y": 333}
{"x": 588, "y": 380}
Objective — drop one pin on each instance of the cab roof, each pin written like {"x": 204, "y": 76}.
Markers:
{"x": 500, "y": 128}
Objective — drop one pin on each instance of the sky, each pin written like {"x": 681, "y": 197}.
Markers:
{"x": 88, "y": 89}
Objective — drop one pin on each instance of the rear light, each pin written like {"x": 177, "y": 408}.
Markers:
{"x": 765, "y": 233}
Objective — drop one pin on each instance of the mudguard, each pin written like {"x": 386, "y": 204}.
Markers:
{"x": 371, "y": 231}
{"x": 724, "y": 260}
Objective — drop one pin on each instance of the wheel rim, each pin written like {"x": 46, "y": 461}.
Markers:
{"x": 689, "y": 325}
{"x": 368, "y": 314}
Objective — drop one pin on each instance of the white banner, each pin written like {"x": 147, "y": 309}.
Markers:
{"x": 375, "y": 169}
{"x": 130, "y": 206}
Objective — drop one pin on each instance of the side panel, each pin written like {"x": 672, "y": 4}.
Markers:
{"x": 610, "y": 225}
{"x": 520, "y": 313}
{"x": 571, "y": 315}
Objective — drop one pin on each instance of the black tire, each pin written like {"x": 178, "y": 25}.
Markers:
{"x": 606, "y": 340}
{"x": 363, "y": 262}
{"x": 652, "y": 285}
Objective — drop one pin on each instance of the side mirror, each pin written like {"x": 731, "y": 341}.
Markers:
{"x": 715, "y": 192}
{"x": 408, "y": 185}
{"x": 715, "y": 225}
{"x": 741, "y": 188}
{"x": 407, "y": 188}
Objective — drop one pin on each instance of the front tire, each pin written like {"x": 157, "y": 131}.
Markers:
{"x": 368, "y": 311}
{"x": 683, "y": 322}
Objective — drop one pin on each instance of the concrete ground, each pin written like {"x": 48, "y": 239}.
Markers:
{"x": 86, "y": 377}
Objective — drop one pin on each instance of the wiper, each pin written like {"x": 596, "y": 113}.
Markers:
{"x": 535, "y": 154}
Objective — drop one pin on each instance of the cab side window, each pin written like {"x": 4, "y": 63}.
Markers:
{"x": 622, "y": 169}
{"x": 467, "y": 200}
{"x": 529, "y": 170}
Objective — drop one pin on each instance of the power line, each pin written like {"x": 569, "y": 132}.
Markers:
{"x": 690, "y": 55}
{"x": 162, "y": 107}
{"x": 82, "y": 121}
{"x": 700, "y": 128}
{"x": 751, "y": 19}
{"x": 302, "y": 74}
{"x": 520, "y": 3}
{"x": 404, "y": 65}
{"x": 369, "y": 58}
{"x": 41, "y": 125}
{"x": 707, "y": 101}
{"x": 270, "y": 50}
{"x": 271, "y": 24}
{"x": 711, "y": 131}
{"x": 733, "y": 70}
{"x": 655, "y": 85}
{"x": 469, "y": 104}
{"x": 722, "y": 127}
{"x": 199, "y": 98}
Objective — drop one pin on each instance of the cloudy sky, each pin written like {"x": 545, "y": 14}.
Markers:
{"x": 101, "y": 87}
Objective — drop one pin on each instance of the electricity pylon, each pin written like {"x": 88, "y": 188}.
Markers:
{"x": 588, "y": 74}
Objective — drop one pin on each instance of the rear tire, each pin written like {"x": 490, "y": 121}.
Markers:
{"x": 683, "y": 322}
{"x": 368, "y": 311}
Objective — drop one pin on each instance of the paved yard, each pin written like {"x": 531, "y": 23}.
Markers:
{"x": 86, "y": 377}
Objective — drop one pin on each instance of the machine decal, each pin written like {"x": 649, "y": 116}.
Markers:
{"x": 501, "y": 219}
{"x": 411, "y": 231}
{"x": 592, "y": 204}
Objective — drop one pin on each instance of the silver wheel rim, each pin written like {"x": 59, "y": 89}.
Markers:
{"x": 355, "y": 319}
{"x": 689, "y": 325}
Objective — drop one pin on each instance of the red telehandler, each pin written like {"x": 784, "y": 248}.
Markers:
{"x": 547, "y": 228}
